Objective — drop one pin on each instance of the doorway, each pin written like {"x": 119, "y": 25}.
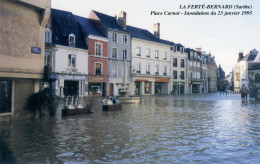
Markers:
{"x": 5, "y": 96}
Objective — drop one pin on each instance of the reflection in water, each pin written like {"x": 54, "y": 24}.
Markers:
{"x": 172, "y": 129}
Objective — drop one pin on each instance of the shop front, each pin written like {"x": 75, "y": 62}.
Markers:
{"x": 161, "y": 85}
{"x": 98, "y": 85}
{"x": 196, "y": 87}
{"x": 70, "y": 85}
{"x": 178, "y": 87}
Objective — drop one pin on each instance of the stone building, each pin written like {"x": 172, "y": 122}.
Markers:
{"x": 236, "y": 73}
{"x": 119, "y": 46}
{"x": 150, "y": 64}
{"x": 178, "y": 69}
{"x": 22, "y": 25}
{"x": 193, "y": 71}
{"x": 244, "y": 65}
{"x": 67, "y": 54}
{"x": 212, "y": 73}
{"x": 221, "y": 81}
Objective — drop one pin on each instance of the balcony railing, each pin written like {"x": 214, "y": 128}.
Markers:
{"x": 165, "y": 74}
{"x": 138, "y": 71}
{"x": 148, "y": 73}
{"x": 195, "y": 79}
{"x": 156, "y": 73}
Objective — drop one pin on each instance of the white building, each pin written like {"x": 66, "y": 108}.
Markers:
{"x": 67, "y": 56}
{"x": 150, "y": 65}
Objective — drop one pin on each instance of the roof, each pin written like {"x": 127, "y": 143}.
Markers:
{"x": 254, "y": 66}
{"x": 64, "y": 24}
{"x": 109, "y": 21}
{"x": 89, "y": 26}
{"x": 250, "y": 56}
{"x": 146, "y": 35}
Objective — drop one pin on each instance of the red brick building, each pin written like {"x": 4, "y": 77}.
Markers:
{"x": 98, "y": 58}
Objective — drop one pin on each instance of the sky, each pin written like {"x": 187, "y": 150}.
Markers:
{"x": 222, "y": 36}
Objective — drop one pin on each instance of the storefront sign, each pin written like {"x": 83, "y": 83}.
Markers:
{"x": 97, "y": 79}
{"x": 196, "y": 82}
{"x": 178, "y": 83}
{"x": 36, "y": 50}
{"x": 141, "y": 80}
{"x": 72, "y": 77}
{"x": 164, "y": 80}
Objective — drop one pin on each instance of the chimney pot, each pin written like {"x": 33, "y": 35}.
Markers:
{"x": 122, "y": 19}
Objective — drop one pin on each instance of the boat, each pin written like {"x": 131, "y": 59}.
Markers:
{"x": 111, "y": 104}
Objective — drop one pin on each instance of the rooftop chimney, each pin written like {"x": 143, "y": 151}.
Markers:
{"x": 198, "y": 49}
{"x": 157, "y": 30}
{"x": 240, "y": 56}
{"x": 122, "y": 19}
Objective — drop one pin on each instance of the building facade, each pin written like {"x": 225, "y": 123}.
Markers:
{"x": 150, "y": 62}
{"x": 119, "y": 46}
{"x": 68, "y": 55}
{"x": 178, "y": 70}
{"x": 21, "y": 62}
{"x": 194, "y": 71}
{"x": 98, "y": 77}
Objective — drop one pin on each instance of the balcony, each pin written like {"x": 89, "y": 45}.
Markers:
{"x": 138, "y": 54}
{"x": 195, "y": 79}
{"x": 165, "y": 74}
{"x": 164, "y": 58}
{"x": 138, "y": 71}
{"x": 147, "y": 73}
{"x": 156, "y": 73}
{"x": 148, "y": 56}
{"x": 156, "y": 57}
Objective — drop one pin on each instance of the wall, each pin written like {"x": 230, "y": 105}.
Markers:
{"x": 61, "y": 59}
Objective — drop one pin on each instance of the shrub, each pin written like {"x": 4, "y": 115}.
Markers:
{"x": 43, "y": 101}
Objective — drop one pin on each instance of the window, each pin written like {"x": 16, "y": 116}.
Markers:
{"x": 175, "y": 48}
{"x": 147, "y": 68}
{"x": 72, "y": 63}
{"x": 182, "y": 63}
{"x": 114, "y": 52}
{"x": 156, "y": 54}
{"x": 182, "y": 75}
{"x": 72, "y": 40}
{"x": 198, "y": 65}
{"x": 147, "y": 52}
{"x": 157, "y": 69}
{"x": 5, "y": 96}
{"x": 47, "y": 58}
{"x": 47, "y": 35}
{"x": 165, "y": 55}
{"x": 115, "y": 71}
{"x": 98, "y": 68}
{"x": 138, "y": 51}
{"x": 175, "y": 63}
{"x": 125, "y": 54}
{"x": 175, "y": 75}
{"x": 114, "y": 37}
{"x": 98, "y": 49}
{"x": 125, "y": 39}
{"x": 138, "y": 67}
{"x": 165, "y": 70}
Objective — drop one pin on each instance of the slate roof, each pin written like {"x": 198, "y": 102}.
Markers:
{"x": 146, "y": 35}
{"x": 109, "y": 21}
{"x": 250, "y": 56}
{"x": 64, "y": 24}
{"x": 254, "y": 66}
{"x": 89, "y": 26}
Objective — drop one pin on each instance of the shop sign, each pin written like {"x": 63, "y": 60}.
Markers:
{"x": 72, "y": 77}
{"x": 141, "y": 80}
{"x": 164, "y": 80}
{"x": 178, "y": 83}
{"x": 98, "y": 78}
{"x": 196, "y": 82}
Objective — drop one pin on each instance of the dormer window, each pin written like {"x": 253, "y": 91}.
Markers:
{"x": 47, "y": 35}
{"x": 72, "y": 40}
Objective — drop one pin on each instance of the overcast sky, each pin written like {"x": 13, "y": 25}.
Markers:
{"x": 223, "y": 36}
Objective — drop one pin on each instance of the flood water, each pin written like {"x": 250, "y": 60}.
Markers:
{"x": 206, "y": 128}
